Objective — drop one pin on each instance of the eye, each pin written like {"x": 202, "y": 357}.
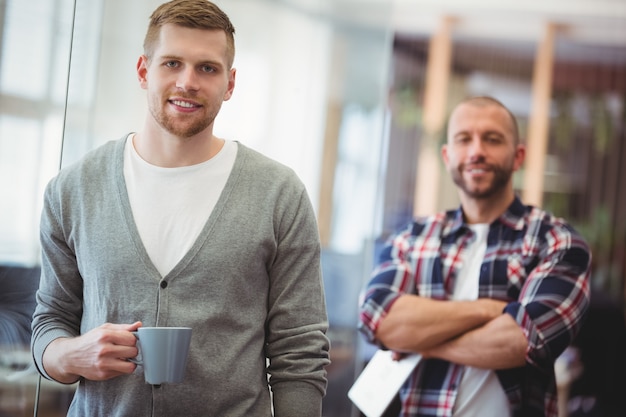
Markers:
{"x": 171, "y": 64}
{"x": 493, "y": 139}
{"x": 207, "y": 68}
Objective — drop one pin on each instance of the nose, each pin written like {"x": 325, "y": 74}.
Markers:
{"x": 477, "y": 146}
{"x": 187, "y": 80}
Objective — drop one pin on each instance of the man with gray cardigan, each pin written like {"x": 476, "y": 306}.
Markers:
{"x": 173, "y": 226}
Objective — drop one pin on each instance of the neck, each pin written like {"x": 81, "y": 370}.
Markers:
{"x": 169, "y": 151}
{"x": 485, "y": 210}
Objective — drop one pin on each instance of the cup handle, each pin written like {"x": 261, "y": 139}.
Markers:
{"x": 137, "y": 360}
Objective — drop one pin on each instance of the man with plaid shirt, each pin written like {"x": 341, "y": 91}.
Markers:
{"x": 489, "y": 294}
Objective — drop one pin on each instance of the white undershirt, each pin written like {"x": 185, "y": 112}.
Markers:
{"x": 480, "y": 393}
{"x": 171, "y": 205}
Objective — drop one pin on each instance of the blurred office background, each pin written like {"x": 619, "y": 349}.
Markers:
{"x": 353, "y": 95}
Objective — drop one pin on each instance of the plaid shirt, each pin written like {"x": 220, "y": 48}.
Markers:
{"x": 534, "y": 261}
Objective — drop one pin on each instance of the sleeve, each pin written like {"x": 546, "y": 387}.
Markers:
{"x": 555, "y": 297}
{"x": 59, "y": 298}
{"x": 296, "y": 342}
{"x": 392, "y": 277}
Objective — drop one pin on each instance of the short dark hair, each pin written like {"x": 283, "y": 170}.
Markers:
{"x": 491, "y": 101}
{"x": 195, "y": 14}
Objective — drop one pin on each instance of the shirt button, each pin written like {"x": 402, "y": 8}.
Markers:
{"x": 163, "y": 284}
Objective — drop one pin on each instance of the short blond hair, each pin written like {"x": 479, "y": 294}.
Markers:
{"x": 194, "y": 14}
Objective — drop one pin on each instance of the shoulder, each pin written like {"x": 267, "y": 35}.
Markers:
{"x": 536, "y": 222}
{"x": 553, "y": 233}
{"x": 255, "y": 160}
{"x": 421, "y": 228}
{"x": 438, "y": 224}
{"x": 545, "y": 222}
{"x": 260, "y": 171}
{"x": 93, "y": 168}
{"x": 95, "y": 158}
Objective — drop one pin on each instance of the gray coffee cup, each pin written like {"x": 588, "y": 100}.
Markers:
{"x": 163, "y": 353}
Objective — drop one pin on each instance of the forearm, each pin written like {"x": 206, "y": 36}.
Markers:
{"x": 499, "y": 344}
{"x": 414, "y": 323}
{"x": 55, "y": 363}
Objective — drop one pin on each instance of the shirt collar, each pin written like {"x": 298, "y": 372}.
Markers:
{"x": 513, "y": 217}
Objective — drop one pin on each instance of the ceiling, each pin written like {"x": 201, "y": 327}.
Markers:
{"x": 585, "y": 21}
{"x": 588, "y": 29}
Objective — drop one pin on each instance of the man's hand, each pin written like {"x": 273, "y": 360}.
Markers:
{"x": 499, "y": 344}
{"x": 100, "y": 354}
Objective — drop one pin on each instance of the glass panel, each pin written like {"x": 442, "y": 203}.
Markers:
{"x": 33, "y": 74}
{"x": 34, "y": 54}
{"x": 87, "y": 55}
{"x": 27, "y": 21}
{"x": 19, "y": 160}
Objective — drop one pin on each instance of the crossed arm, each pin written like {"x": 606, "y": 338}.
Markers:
{"x": 474, "y": 333}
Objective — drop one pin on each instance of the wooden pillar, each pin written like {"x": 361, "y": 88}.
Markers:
{"x": 334, "y": 114}
{"x": 539, "y": 122}
{"x": 437, "y": 79}
{"x": 329, "y": 163}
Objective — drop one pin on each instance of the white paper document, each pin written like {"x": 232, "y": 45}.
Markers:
{"x": 380, "y": 381}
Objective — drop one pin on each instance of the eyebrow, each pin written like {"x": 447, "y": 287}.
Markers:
{"x": 496, "y": 132}
{"x": 179, "y": 58}
{"x": 491, "y": 132}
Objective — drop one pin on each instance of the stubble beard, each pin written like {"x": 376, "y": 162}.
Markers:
{"x": 501, "y": 177}
{"x": 176, "y": 125}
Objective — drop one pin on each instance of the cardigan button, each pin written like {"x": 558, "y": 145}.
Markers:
{"x": 164, "y": 284}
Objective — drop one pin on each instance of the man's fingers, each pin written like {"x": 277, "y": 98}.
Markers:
{"x": 126, "y": 327}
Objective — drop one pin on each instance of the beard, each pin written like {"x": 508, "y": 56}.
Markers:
{"x": 182, "y": 125}
{"x": 501, "y": 178}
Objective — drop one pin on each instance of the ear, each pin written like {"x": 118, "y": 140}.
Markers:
{"x": 520, "y": 155}
{"x": 142, "y": 71}
{"x": 231, "y": 84}
{"x": 444, "y": 153}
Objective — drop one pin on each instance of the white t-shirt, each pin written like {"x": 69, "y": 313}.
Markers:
{"x": 171, "y": 205}
{"x": 480, "y": 393}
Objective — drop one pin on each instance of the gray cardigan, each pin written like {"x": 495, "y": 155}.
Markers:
{"x": 250, "y": 287}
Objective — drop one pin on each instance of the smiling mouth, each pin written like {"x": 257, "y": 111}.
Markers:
{"x": 184, "y": 104}
{"x": 477, "y": 170}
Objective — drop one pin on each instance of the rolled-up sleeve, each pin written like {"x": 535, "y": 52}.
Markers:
{"x": 392, "y": 277}
{"x": 555, "y": 297}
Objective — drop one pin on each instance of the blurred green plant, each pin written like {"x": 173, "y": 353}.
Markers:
{"x": 607, "y": 242}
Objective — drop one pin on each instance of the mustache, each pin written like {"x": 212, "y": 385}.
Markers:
{"x": 479, "y": 165}
{"x": 185, "y": 96}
